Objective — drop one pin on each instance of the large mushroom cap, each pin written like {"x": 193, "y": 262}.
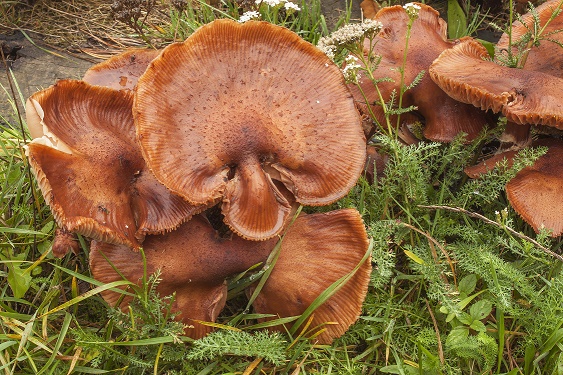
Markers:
{"x": 236, "y": 106}
{"x": 466, "y": 73}
{"x": 547, "y": 56}
{"x": 121, "y": 71}
{"x": 318, "y": 250}
{"x": 444, "y": 117}
{"x": 194, "y": 263}
{"x": 90, "y": 169}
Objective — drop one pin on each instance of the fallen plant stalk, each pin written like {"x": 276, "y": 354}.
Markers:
{"x": 489, "y": 221}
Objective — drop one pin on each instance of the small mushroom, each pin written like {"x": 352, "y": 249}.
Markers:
{"x": 121, "y": 71}
{"x": 194, "y": 261}
{"x": 63, "y": 242}
{"x": 90, "y": 169}
{"x": 369, "y": 8}
{"x": 237, "y": 107}
{"x": 444, "y": 118}
{"x": 475, "y": 171}
{"x": 375, "y": 164}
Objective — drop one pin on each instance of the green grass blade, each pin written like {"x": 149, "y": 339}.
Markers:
{"x": 329, "y": 292}
{"x": 58, "y": 344}
{"x": 87, "y": 295}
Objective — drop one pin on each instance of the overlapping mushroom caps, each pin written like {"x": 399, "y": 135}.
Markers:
{"x": 90, "y": 169}
{"x": 528, "y": 95}
{"x": 444, "y": 118}
{"x": 316, "y": 251}
{"x": 121, "y": 71}
{"x": 547, "y": 56}
{"x": 237, "y": 112}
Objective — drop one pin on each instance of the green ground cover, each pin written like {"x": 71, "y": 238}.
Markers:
{"x": 460, "y": 283}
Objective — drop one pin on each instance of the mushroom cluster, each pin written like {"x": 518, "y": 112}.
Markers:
{"x": 247, "y": 119}
{"x": 443, "y": 117}
{"x": 462, "y": 85}
{"x": 530, "y": 94}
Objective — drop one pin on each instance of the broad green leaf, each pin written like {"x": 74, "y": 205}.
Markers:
{"x": 89, "y": 370}
{"x": 19, "y": 280}
{"x": 478, "y": 326}
{"x": 457, "y": 22}
{"x": 467, "y": 285}
{"x": 489, "y": 46}
{"x": 529, "y": 356}
{"x": 458, "y": 334}
{"x": 7, "y": 344}
{"x": 47, "y": 228}
{"x": 481, "y": 309}
{"x": 143, "y": 342}
{"x": 58, "y": 344}
{"x": 21, "y": 231}
{"x": 87, "y": 295}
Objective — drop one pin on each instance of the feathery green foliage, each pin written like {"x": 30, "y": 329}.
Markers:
{"x": 454, "y": 290}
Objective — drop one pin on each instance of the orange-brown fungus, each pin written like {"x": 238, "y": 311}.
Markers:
{"x": 444, "y": 118}
{"x": 316, "y": 251}
{"x": 122, "y": 71}
{"x": 238, "y": 108}
{"x": 467, "y": 74}
{"x": 547, "y": 56}
{"x": 536, "y": 191}
{"x": 194, "y": 263}
{"x": 90, "y": 169}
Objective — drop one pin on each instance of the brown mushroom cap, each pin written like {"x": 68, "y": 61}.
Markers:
{"x": 194, "y": 263}
{"x": 369, "y": 8}
{"x": 235, "y": 106}
{"x": 121, "y": 71}
{"x": 444, "y": 117}
{"x": 547, "y": 57}
{"x": 475, "y": 171}
{"x": 90, "y": 169}
{"x": 63, "y": 242}
{"x": 375, "y": 164}
{"x": 536, "y": 192}
{"x": 318, "y": 250}
{"x": 523, "y": 96}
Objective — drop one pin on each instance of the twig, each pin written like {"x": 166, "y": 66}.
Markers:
{"x": 489, "y": 221}
{"x": 440, "y": 349}
{"x": 432, "y": 240}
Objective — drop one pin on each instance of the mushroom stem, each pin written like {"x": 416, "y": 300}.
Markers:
{"x": 515, "y": 136}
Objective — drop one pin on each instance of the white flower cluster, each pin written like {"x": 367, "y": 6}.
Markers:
{"x": 288, "y": 5}
{"x": 412, "y": 10}
{"x": 291, "y": 6}
{"x": 350, "y": 70}
{"x": 247, "y": 16}
{"x": 348, "y": 35}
